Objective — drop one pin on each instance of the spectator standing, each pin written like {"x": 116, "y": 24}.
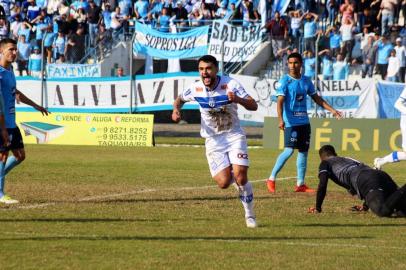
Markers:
{"x": 4, "y": 28}
{"x": 278, "y": 31}
{"x": 221, "y": 11}
{"x": 75, "y": 49}
{"x": 32, "y": 11}
{"x": 35, "y": 62}
{"x": 23, "y": 50}
{"x": 106, "y": 14}
{"x": 309, "y": 64}
{"x": 195, "y": 18}
{"x": 39, "y": 28}
{"x": 295, "y": 26}
{"x": 393, "y": 67}
{"x": 340, "y": 68}
{"x": 310, "y": 30}
{"x": 332, "y": 8}
{"x": 181, "y": 16}
{"x": 25, "y": 30}
{"x": 15, "y": 26}
{"x": 368, "y": 58}
{"x": 346, "y": 31}
{"x": 347, "y": 10}
{"x": 327, "y": 64}
{"x": 163, "y": 21}
{"x": 334, "y": 39}
{"x": 48, "y": 41}
{"x": 141, "y": 9}
{"x": 386, "y": 14}
{"x": 93, "y": 19}
{"x": 401, "y": 55}
{"x": 59, "y": 45}
{"x": 384, "y": 48}
{"x": 103, "y": 40}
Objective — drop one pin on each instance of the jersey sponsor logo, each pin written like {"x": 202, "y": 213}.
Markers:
{"x": 299, "y": 97}
{"x": 199, "y": 89}
{"x": 242, "y": 156}
{"x": 299, "y": 114}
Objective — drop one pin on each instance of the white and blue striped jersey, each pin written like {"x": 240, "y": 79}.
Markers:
{"x": 8, "y": 92}
{"x": 218, "y": 115}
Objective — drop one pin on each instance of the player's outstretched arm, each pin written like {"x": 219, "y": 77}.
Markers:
{"x": 177, "y": 106}
{"x": 24, "y": 99}
{"x": 321, "y": 102}
{"x": 248, "y": 103}
{"x": 321, "y": 193}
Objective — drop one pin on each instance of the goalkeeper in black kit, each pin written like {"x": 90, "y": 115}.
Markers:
{"x": 376, "y": 188}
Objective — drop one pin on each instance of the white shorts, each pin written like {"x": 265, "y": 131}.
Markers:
{"x": 226, "y": 149}
{"x": 403, "y": 130}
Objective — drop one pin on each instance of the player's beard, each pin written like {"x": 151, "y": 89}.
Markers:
{"x": 208, "y": 81}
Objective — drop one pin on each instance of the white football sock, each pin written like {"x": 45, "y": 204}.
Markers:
{"x": 247, "y": 199}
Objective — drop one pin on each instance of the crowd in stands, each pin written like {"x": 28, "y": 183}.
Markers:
{"x": 68, "y": 28}
{"x": 366, "y": 33}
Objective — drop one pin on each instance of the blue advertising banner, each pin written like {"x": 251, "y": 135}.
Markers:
{"x": 388, "y": 94}
{"x": 154, "y": 43}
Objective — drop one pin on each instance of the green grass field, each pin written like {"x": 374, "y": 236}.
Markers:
{"x": 157, "y": 208}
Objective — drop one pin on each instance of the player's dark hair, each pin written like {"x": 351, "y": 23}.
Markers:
{"x": 296, "y": 55}
{"x": 208, "y": 59}
{"x": 5, "y": 41}
{"x": 327, "y": 150}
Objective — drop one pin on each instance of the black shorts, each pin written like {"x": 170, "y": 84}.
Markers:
{"x": 298, "y": 137}
{"x": 15, "y": 138}
{"x": 369, "y": 180}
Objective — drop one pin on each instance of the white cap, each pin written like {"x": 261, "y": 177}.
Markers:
{"x": 399, "y": 39}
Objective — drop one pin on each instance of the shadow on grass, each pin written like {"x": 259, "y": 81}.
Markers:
{"x": 350, "y": 225}
{"x": 135, "y": 200}
{"x": 165, "y": 200}
{"x": 175, "y": 238}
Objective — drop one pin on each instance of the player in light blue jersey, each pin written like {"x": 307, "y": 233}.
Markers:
{"x": 293, "y": 119}
{"x": 226, "y": 144}
{"x": 9, "y": 93}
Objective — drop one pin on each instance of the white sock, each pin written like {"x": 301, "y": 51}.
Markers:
{"x": 394, "y": 157}
{"x": 247, "y": 199}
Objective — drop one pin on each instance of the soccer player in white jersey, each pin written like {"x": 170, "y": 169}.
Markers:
{"x": 396, "y": 156}
{"x": 226, "y": 144}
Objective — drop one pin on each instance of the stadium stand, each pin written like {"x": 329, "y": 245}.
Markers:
{"x": 363, "y": 32}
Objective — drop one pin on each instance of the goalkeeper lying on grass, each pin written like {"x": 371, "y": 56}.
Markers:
{"x": 376, "y": 188}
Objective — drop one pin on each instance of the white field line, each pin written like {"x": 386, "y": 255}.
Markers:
{"x": 197, "y": 145}
{"x": 116, "y": 195}
{"x": 270, "y": 241}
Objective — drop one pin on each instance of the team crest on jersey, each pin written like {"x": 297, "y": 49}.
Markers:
{"x": 199, "y": 89}
{"x": 223, "y": 86}
{"x": 212, "y": 102}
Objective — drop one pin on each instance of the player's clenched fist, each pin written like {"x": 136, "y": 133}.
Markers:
{"x": 231, "y": 96}
{"x": 176, "y": 116}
